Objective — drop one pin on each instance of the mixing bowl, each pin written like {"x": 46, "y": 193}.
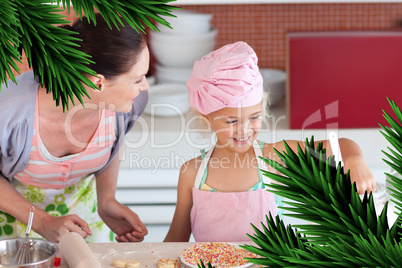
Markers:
{"x": 42, "y": 254}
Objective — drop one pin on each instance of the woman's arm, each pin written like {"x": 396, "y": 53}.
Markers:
{"x": 49, "y": 227}
{"x": 120, "y": 219}
{"x": 180, "y": 228}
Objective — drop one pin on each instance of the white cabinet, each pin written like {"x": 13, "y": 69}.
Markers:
{"x": 152, "y": 195}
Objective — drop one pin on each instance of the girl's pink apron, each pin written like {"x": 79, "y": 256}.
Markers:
{"x": 226, "y": 216}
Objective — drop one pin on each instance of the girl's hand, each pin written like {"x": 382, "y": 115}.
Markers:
{"x": 51, "y": 228}
{"x": 122, "y": 221}
{"x": 361, "y": 174}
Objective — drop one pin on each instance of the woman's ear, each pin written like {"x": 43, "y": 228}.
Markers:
{"x": 98, "y": 80}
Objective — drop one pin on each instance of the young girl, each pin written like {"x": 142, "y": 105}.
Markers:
{"x": 221, "y": 192}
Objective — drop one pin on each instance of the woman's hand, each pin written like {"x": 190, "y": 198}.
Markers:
{"x": 51, "y": 227}
{"x": 122, "y": 221}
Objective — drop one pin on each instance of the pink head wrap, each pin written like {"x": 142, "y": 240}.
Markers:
{"x": 226, "y": 77}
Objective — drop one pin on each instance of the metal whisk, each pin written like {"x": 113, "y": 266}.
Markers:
{"x": 23, "y": 254}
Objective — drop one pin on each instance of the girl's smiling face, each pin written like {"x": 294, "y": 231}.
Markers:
{"x": 236, "y": 128}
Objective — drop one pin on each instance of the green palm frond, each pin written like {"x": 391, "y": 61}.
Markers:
{"x": 344, "y": 230}
{"x": 28, "y": 25}
{"x": 275, "y": 243}
{"x": 202, "y": 265}
{"x": 280, "y": 246}
{"x": 50, "y": 51}
{"x": 9, "y": 41}
{"x": 138, "y": 13}
{"x": 321, "y": 193}
{"x": 367, "y": 251}
{"x": 393, "y": 134}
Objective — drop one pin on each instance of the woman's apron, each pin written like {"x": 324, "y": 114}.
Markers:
{"x": 78, "y": 197}
{"x": 227, "y": 216}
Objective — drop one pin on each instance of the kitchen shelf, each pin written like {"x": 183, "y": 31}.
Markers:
{"x": 232, "y": 2}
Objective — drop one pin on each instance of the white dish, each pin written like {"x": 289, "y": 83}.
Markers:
{"x": 165, "y": 74}
{"x": 195, "y": 265}
{"x": 181, "y": 50}
{"x": 167, "y": 100}
{"x": 187, "y": 22}
{"x": 151, "y": 80}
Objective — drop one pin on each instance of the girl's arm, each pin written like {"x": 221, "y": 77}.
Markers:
{"x": 48, "y": 226}
{"x": 180, "y": 229}
{"x": 120, "y": 219}
{"x": 353, "y": 159}
{"x": 351, "y": 155}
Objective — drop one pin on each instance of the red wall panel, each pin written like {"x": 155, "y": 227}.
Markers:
{"x": 342, "y": 78}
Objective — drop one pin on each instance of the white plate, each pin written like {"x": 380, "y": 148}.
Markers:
{"x": 195, "y": 266}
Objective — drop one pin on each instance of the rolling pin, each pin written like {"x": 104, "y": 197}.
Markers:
{"x": 76, "y": 251}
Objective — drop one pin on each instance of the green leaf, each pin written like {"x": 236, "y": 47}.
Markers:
{"x": 28, "y": 25}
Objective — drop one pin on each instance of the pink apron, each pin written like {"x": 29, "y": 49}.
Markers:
{"x": 226, "y": 216}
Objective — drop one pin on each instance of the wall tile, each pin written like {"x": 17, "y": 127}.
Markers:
{"x": 264, "y": 26}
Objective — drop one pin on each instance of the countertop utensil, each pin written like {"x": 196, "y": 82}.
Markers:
{"x": 23, "y": 254}
{"x": 336, "y": 150}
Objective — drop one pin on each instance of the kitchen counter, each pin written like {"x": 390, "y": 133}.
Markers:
{"x": 146, "y": 253}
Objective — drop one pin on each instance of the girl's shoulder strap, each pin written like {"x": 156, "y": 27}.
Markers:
{"x": 258, "y": 149}
{"x": 261, "y": 143}
{"x": 203, "y": 153}
{"x": 203, "y": 168}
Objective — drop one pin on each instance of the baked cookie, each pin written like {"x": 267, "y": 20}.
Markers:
{"x": 119, "y": 263}
{"x": 125, "y": 263}
{"x": 133, "y": 264}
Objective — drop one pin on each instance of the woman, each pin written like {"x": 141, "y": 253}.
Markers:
{"x": 66, "y": 163}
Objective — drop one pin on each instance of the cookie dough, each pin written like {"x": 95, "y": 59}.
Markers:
{"x": 125, "y": 263}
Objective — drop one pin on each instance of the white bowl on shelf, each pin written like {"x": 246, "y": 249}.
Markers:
{"x": 187, "y": 22}
{"x": 151, "y": 80}
{"x": 167, "y": 99}
{"x": 181, "y": 50}
{"x": 274, "y": 83}
{"x": 166, "y": 74}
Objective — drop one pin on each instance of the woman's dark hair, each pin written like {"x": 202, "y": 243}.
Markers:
{"x": 114, "y": 51}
